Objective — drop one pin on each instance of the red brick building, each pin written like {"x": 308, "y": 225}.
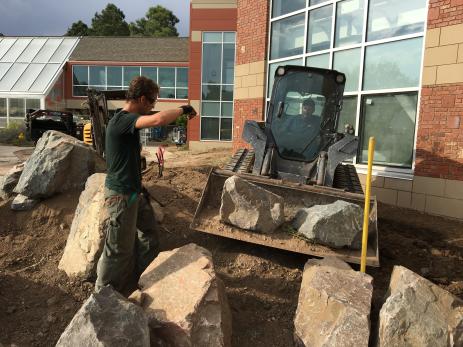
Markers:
{"x": 404, "y": 67}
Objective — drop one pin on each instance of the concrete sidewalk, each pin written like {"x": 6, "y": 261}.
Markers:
{"x": 12, "y": 155}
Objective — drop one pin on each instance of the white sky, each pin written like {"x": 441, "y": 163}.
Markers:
{"x": 53, "y": 17}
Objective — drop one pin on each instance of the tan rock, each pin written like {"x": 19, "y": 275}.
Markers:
{"x": 417, "y": 313}
{"x": 86, "y": 237}
{"x": 334, "y": 305}
{"x": 185, "y": 300}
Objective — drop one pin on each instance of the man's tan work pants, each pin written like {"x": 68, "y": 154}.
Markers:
{"x": 131, "y": 241}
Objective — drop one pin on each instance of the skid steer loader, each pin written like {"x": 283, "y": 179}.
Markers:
{"x": 298, "y": 156}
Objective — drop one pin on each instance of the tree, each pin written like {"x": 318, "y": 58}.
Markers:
{"x": 110, "y": 22}
{"x": 78, "y": 28}
{"x": 158, "y": 22}
{"x": 1, "y": 34}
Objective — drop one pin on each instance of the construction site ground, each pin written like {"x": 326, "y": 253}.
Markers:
{"x": 37, "y": 301}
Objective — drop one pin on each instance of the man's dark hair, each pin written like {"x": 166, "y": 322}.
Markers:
{"x": 142, "y": 86}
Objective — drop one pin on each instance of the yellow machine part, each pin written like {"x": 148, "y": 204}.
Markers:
{"x": 88, "y": 133}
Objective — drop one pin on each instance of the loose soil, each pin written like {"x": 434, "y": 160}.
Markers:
{"x": 37, "y": 300}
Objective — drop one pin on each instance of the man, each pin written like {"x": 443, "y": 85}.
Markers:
{"x": 130, "y": 246}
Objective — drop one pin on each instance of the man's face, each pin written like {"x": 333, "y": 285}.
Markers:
{"x": 147, "y": 103}
{"x": 307, "y": 109}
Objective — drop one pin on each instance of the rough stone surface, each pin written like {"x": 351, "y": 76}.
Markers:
{"x": 10, "y": 180}
{"x": 419, "y": 313}
{"x": 250, "y": 207}
{"x": 59, "y": 163}
{"x": 107, "y": 319}
{"x": 23, "y": 203}
{"x": 185, "y": 300}
{"x": 336, "y": 225}
{"x": 334, "y": 305}
{"x": 86, "y": 237}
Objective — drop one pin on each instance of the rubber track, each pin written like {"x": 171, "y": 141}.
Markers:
{"x": 346, "y": 177}
{"x": 242, "y": 161}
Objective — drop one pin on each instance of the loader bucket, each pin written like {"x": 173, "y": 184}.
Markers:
{"x": 207, "y": 216}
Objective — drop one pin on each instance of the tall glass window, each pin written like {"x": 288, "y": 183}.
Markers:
{"x": 378, "y": 45}
{"x": 3, "y": 115}
{"x": 173, "y": 81}
{"x": 218, "y": 68}
{"x": 14, "y": 109}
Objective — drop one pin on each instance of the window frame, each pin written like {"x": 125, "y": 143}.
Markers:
{"x": 220, "y": 101}
{"x": 387, "y": 171}
{"x": 122, "y": 86}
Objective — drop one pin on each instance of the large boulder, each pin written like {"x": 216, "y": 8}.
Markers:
{"x": 10, "y": 180}
{"x": 86, "y": 237}
{"x": 417, "y": 313}
{"x": 336, "y": 225}
{"x": 107, "y": 319}
{"x": 59, "y": 163}
{"x": 334, "y": 305}
{"x": 250, "y": 207}
{"x": 185, "y": 300}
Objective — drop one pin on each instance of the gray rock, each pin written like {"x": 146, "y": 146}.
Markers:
{"x": 334, "y": 305}
{"x": 250, "y": 207}
{"x": 10, "y": 180}
{"x": 23, "y": 203}
{"x": 417, "y": 313}
{"x": 185, "y": 300}
{"x": 59, "y": 163}
{"x": 107, "y": 319}
{"x": 86, "y": 237}
{"x": 336, "y": 225}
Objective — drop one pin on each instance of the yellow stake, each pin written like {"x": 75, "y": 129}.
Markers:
{"x": 366, "y": 210}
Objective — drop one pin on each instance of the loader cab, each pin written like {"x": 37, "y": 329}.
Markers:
{"x": 304, "y": 111}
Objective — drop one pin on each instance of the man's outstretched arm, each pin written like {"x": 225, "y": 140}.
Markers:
{"x": 164, "y": 117}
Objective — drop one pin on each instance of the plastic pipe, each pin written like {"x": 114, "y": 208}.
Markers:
{"x": 366, "y": 210}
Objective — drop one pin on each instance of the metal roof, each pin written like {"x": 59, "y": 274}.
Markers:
{"x": 30, "y": 65}
{"x": 132, "y": 49}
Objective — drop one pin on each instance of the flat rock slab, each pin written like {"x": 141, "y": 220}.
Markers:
{"x": 107, "y": 319}
{"x": 59, "y": 163}
{"x": 336, "y": 225}
{"x": 250, "y": 207}
{"x": 185, "y": 300}
{"x": 86, "y": 237}
{"x": 23, "y": 203}
{"x": 417, "y": 313}
{"x": 334, "y": 305}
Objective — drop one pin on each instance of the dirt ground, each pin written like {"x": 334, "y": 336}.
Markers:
{"x": 37, "y": 301}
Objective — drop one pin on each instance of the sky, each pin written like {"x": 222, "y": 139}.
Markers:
{"x": 54, "y": 17}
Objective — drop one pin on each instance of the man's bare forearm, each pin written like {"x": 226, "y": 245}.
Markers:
{"x": 158, "y": 119}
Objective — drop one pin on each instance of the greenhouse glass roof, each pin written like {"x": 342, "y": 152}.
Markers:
{"x": 30, "y": 65}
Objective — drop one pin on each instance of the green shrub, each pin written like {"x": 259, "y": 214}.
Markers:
{"x": 10, "y": 134}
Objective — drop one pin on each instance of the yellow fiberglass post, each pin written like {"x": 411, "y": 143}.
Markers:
{"x": 366, "y": 210}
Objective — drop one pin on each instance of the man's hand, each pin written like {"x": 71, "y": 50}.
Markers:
{"x": 189, "y": 111}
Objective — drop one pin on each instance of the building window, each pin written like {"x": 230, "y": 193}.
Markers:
{"x": 15, "y": 109}
{"x": 218, "y": 67}
{"x": 173, "y": 81}
{"x": 378, "y": 44}
{"x": 3, "y": 114}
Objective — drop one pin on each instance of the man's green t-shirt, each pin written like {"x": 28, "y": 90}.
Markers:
{"x": 123, "y": 153}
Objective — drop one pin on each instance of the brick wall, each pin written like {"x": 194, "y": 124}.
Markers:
{"x": 251, "y": 53}
{"x": 252, "y": 30}
{"x": 246, "y": 109}
{"x": 439, "y": 146}
{"x": 444, "y": 13}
